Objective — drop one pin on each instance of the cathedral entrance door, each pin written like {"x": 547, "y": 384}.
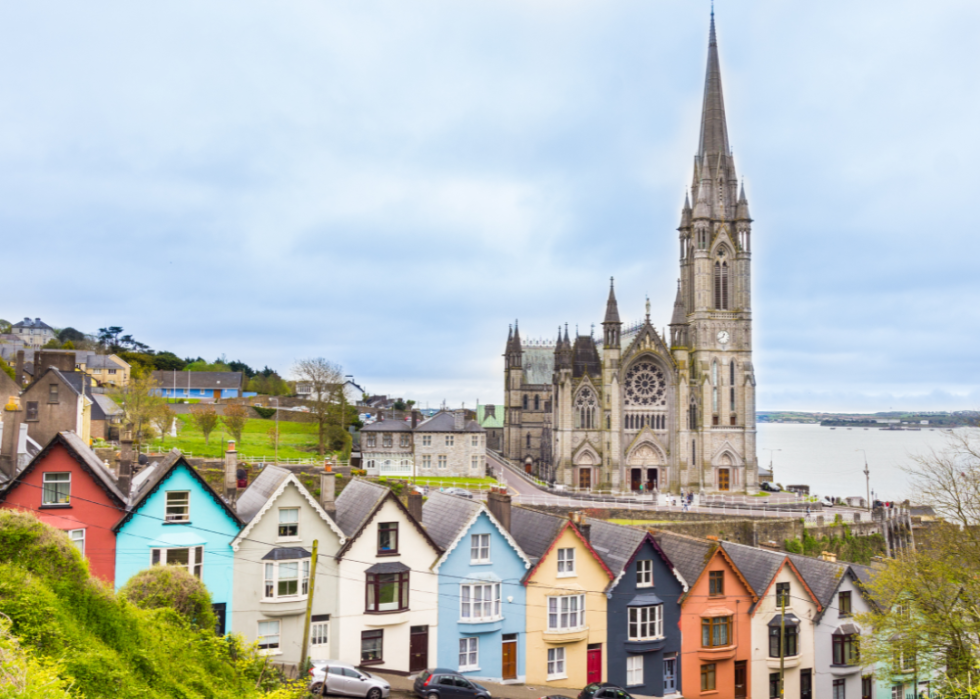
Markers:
{"x": 585, "y": 478}
{"x": 653, "y": 482}
{"x": 635, "y": 478}
{"x": 724, "y": 479}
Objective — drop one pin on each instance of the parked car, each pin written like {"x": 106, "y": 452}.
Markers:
{"x": 603, "y": 690}
{"x": 461, "y": 492}
{"x": 556, "y": 696}
{"x": 770, "y": 487}
{"x": 335, "y": 677}
{"x": 439, "y": 683}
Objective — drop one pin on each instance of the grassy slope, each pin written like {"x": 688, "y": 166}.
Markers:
{"x": 104, "y": 646}
{"x": 297, "y": 440}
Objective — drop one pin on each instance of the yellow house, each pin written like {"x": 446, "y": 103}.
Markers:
{"x": 566, "y": 601}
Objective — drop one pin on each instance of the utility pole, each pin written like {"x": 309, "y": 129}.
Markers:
{"x": 309, "y": 611}
{"x": 867, "y": 476}
{"x": 772, "y": 473}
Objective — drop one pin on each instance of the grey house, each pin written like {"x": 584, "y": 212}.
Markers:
{"x": 643, "y": 617}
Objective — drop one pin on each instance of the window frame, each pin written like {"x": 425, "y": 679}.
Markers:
{"x": 169, "y": 518}
{"x": 32, "y": 411}
{"x": 404, "y": 440}
{"x": 839, "y": 683}
{"x": 273, "y": 584}
{"x": 450, "y": 440}
{"x": 645, "y": 623}
{"x": 426, "y": 460}
{"x": 710, "y": 624}
{"x": 373, "y": 585}
{"x": 480, "y": 546}
{"x": 269, "y": 649}
{"x": 53, "y": 393}
{"x": 709, "y": 677}
{"x": 716, "y": 583}
{"x": 427, "y": 440}
{"x": 783, "y": 592}
{"x": 562, "y": 617}
{"x": 556, "y": 669}
{"x": 79, "y": 541}
{"x": 372, "y": 440}
{"x": 386, "y": 440}
{"x": 468, "y": 602}
{"x": 844, "y": 610}
{"x": 470, "y": 651}
{"x": 371, "y": 635}
{"x": 283, "y": 527}
{"x": 636, "y": 661}
{"x": 195, "y": 558}
{"x": 566, "y": 562}
{"x": 320, "y": 633}
{"x": 388, "y": 528}
{"x": 60, "y": 499}
{"x": 790, "y": 641}
{"x": 644, "y": 572}
{"x": 442, "y": 461}
{"x": 845, "y": 649}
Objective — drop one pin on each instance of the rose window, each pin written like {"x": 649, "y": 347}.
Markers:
{"x": 646, "y": 385}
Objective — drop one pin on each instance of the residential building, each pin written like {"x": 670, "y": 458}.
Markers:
{"x": 670, "y": 410}
{"x": 387, "y": 447}
{"x": 481, "y": 598}
{"x": 566, "y": 601}
{"x": 273, "y": 556}
{"x": 716, "y": 628}
{"x": 174, "y": 517}
{"x": 105, "y": 369}
{"x": 68, "y": 487}
{"x": 34, "y": 333}
{"x": 8, "y": 388}
{"x": 56, "y": 402}
{"x": 387, "y": 587}
{"x": 352, "y": 393}
{"x": 643, "y": 611}
{"x": 447, "y": 444}
{"x": 206, "y": 386}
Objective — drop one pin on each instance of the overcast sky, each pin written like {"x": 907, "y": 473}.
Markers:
{"x": 390, "y": 184}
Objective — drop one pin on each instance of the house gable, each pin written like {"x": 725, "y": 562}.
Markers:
{"x": 569, "y": 527}
{"x": 465, "y": 530}
{"x": 787, "y": 563}
{"x": 378, "y": 506}
{"x": 719, "y": 553}
{"x": 291, "y": 480}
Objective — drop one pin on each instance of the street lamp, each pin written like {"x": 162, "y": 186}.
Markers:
{"x": 867, "y": 476}
{"x": 772, "y": 474}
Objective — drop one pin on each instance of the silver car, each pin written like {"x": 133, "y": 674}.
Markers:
{"x": 335, "y": 677}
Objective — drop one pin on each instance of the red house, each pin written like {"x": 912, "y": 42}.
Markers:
{"x": 67, "y": 486}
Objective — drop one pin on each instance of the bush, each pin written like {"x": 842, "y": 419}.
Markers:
{"x": 163, "y": 587}
{"x": 264, "y": 413}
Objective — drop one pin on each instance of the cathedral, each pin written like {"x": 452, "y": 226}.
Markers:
{"x": 644, "y": 410}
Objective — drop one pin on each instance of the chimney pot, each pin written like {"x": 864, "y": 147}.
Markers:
{"x": 231, "y": 472}
{"x": 498, "y": 502}
{"x": 415, "y": 505}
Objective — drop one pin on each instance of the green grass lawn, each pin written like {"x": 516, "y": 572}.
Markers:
{"x": 297, "y": 440}
{"x": 448, "y": 482}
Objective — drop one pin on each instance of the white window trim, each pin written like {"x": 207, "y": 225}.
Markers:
{"x": 44, "y": 480}
{"x": 496, "y": 604}
{"x": 296, "y": 537}
{"x": 166, "y": 505}
{"x": 568, "y": 562}
{"x": 81, "y": 540}
{"x": 558, "y": 628}
{"x": 302, "y": 574}
{"x": 443, "y": 461}
{"x": 564, "y": 660}
{"x": 313, "y": 635}
{"x": 470, "y": 668}
{"x": 631, "y": 680}
{"x": 656, "y": 624}
{"x": 192, "y": 561}
{"x": 479, "y": 561}
{"x": 259, "y": 636}
{"x": 646, "y": 563}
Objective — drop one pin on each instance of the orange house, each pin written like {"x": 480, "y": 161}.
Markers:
{"x": 716, "y": 627}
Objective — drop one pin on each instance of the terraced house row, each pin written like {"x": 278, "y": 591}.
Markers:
{"x": 498, "y": 592}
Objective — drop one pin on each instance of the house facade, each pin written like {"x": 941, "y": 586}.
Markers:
{"x": 274, "y": 571}
{"x": 33, "y": 332}
{"x": 389, "y": 592}
{"x": 387, "y": 448}
{"x": 176, "y": 518}
{"x": 448, "y": 444}
{"x": 837, "y": 636}
{"x": 68, "y": 487}
{"x": 206, "y": 386}
{"x": 566, "y": 608}
{"x": 56, "y": 402}
{"x": 481, "y": 598}
{"x": 643, "y": 611}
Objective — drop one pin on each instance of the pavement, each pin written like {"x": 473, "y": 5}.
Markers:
{"x": 401, "y": 686}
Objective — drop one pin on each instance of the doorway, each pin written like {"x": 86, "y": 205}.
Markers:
{"x": 418, "y": 648}
{"x": 670, "y": 673}
{"x": 509, "y": 669}
{"x": 219, "y": 609}
{"x": 635, "y": 478}
{"x": 653, "y": 480}
{"x": 594, "y": 664}
{"x": 806, "y": 684}
{"x": 741, "y": 673}
{"x": 585, "y": 478}
{"x": 724, "y": 479}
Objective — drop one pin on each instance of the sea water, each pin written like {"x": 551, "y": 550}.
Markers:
{"x": 829, "y": 462}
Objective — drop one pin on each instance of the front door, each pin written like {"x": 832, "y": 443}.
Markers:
{"x": 653, "y": 482}
{"x": 585, "y": 478}
{"x": 594, "y": 664}
{"x": 806, "y": 684}
{"x": 670, "y": 674}
{"x": 740, "y": 680}
{"x": 635, "y": 478}
{"x": 418, "y": 648}
{"x": 509, "y": 670}
{"x": 724, "y": 479}
{"x": 217, "y": 395}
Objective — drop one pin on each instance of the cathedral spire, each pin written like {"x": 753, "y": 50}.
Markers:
{"x": 612, "y": 308}
{"x": 742, "y": 211}
{"x": 679, "y": 317}
{"x": 611, "y": 324}
{"x": 714, "y": 130}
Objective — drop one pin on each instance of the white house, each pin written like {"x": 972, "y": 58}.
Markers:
{"x": 389, "y": 592}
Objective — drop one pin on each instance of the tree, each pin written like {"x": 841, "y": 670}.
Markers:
{"x": 71, "y": 335}
{"x": 68, "y": 345}
{"x": 326, "y": 381}
{"x": 173, "y": 587}
{"x": 109, "y": 337}
{"x": 399, "y": 404}
{"x": 164, "y": 420}
{"x": 234, "y": 418}
{"x": 5, "y": 327}
{"x": 8, "y": 370}
{"x": 168, "y": 361}
{"x": 205, "y": 418}
{"x": 141, "y": 402}
{"x": 52, "y": 344}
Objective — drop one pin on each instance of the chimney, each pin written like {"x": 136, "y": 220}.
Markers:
{"x": 231, "y": 472}
{"x": 22, "y": 458}
{"x": 498, "y": 502}
{"x": 415, "y": 418}
{"x": 583, "y": 526}
{"x": 125, "y": 478}
{"x": 459, "y": 420}
{"x": 13, "y": 416}
{"x": 328, "y": 492}
{"x": 19, "y": 369}
{"x": 828, "y": 556}
{"x": 415, "y": 505}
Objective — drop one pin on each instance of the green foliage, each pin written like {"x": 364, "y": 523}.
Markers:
{"x": 71, "y": 634}
{"x": 201, "y": 365}
{"x": 52, "y": 344}
{"x": 271, "y": 385}
{"x": 8, "y": 370}
{"x": 793, "y": 545}
{"x": 854, "y": 549}
{"x": 168, "y": 361}
{"x": 297, "y": 440}
{"x": 69, "y": 334}
{"x": 171, "y": 587}
{"x": 264, "y": 413}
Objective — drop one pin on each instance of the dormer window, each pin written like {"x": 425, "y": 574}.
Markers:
{"x": 288, "y": 522}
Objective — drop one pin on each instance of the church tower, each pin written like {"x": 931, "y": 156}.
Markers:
{"x": 711, "y": 328}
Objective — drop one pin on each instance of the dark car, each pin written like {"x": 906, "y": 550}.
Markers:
{"x": 439, "y": 683}
{"x": 556, "y": 696}
{"x": 603, "y": 690}
{"x": 770, "y": 487}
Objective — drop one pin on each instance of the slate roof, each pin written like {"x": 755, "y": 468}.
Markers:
{"x": 388, "y": 426}
{"x": 445, "y": 421}
{"x": 445, "y": 515}
{"x": 199, "y": 379}
{"x": 534, "y": 531}
{"x": 259, "y": 491}
{"x": 689, "y": 555}
{"x": 106, "y": 404}
{"x": 823, "y": 577}
{"x": 73, "y": 383}
{"x": 91, "y": 360}
{"x": 615, "y": 543}
{"x": 758, "y": 566}
{"x": 356, "y": 501}
{"x": 36, "y": 323}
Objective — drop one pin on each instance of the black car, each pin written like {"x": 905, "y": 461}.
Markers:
{"x": 770, "y": 487}
{"x": 439, "y": 683}
{"x": 603, "y": 690}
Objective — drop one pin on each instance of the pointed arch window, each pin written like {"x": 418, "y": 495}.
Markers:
{"x": 537, "y": 403}
{"x": 692, "y": 417}
{"x": 721, "y": 283}
{"x": 585, "y": 409}
{"x": 525, "y": 402}
{"x": 528, "y": 440}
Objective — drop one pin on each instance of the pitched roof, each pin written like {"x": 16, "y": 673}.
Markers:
{"x": 759, "y": 566}
{"x": 199, "y": 379}
{"x": 615, "y": 543}
{"x": 688, "y": 554}
{"x": 444, "y": 516}
{"x": 359, "y": 502}
{"x": 445, "y": 421}
{"x": 158, "y": 472}
{"x": 534, "y": 531}
{"x": 108, "y": 406}
{"x": 35, "y": 323}
{"x": 570, "y": 526}
{"x": 388, "y": 426}
{"x": 260, "y": 490}
{"x": 85, "y": 457}
{"x": 822, "y": 577}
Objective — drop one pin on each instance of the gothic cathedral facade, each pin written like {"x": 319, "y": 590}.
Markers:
{"x": 638, "y": 409}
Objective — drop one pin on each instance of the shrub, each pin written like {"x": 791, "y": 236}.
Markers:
{"x": 264, "y": 413}
{"x": 173, "y": 587}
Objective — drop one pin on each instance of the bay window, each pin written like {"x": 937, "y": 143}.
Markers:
{"x": 646, "y": 623}
{"x": 479, "y": 602}
{"x": 845, "y": 649}
{"x": 386, "y": 592}
{"x": 566, "y": 613}
{"x": 287, "y": 579}
{"x": 790, "y": 641}
{"x": 190, "y": 558}
{"x": 716, "y": 631}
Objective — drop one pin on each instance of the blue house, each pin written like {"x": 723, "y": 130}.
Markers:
{"x": 201, "y": 385}
{"x": 481, "y": 599}
{"x": 176, "y": 518}
{"x": 643, "y": 618}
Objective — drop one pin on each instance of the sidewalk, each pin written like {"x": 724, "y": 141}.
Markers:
{"x": 402, "y": 685}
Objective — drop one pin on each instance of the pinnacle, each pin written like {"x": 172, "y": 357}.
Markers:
{"x": 714, "y": 130}
{"x": 612, "y": 308}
